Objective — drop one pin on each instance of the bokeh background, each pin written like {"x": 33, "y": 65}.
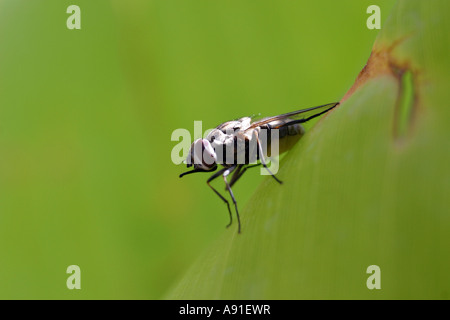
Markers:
{"x": 86, "y": 118}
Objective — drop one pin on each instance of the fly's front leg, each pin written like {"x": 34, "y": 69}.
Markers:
{"x": 225, "y": 174}
{"x": 215, "y": 175}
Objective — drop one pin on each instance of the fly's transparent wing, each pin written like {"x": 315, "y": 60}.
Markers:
{"x": 304, "y": 114}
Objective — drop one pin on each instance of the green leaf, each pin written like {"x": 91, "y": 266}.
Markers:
{"x": 367, "y": 185}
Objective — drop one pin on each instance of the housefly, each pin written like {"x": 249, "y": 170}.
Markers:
{"x": 238, "y": 145}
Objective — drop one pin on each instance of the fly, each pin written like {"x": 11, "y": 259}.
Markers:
{"x": 237, "y": 146}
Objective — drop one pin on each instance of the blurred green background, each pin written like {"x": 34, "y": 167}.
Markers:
{"x": 86, "y": 118}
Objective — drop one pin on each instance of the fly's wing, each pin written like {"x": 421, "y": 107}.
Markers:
{"x": 304, "y": 115}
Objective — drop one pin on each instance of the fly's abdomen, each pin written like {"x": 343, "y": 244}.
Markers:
{"x": 288, "y": 135}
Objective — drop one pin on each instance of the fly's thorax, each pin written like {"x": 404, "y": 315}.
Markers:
{"x": 235, "y": 146}
{"x": 235, "y": 125}
{"x": 202, "y": 155}
{"x": 224, "y": 144}
{"x": 230, "y": 142}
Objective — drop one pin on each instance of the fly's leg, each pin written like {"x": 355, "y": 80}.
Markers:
{"x": 238, "y": 173}
{"x": 215, "y": 175}
{"x": 262, "y": 159}
{"x": 224, "y": 175}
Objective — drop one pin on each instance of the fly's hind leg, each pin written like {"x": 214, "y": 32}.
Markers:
{"x": 262, "y": 159}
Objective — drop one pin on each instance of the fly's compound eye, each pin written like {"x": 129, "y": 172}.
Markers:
{"x": 202, "y": 155}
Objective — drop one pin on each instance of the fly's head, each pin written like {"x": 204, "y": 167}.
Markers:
{"x": 202, "y": 156}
